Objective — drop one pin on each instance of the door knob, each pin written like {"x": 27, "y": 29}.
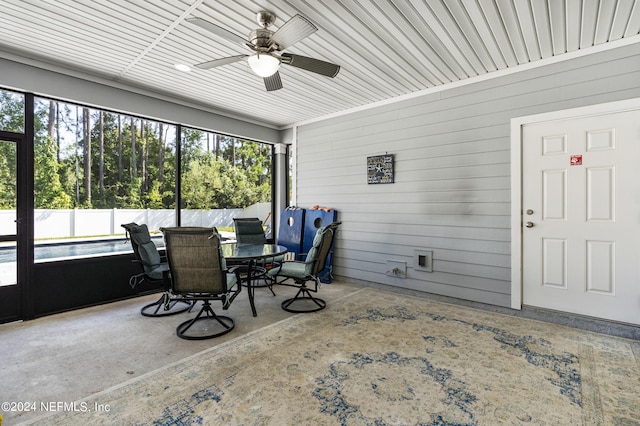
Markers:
{"x": 529, "y": 225}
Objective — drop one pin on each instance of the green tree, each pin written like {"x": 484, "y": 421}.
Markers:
{"x": 134, "y": 162}
{"x": 11, "y": 112}
{"x": 7, "y": 176}
{"x": 49, "y": 192}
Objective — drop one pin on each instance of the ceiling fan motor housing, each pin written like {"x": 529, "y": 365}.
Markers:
{"x": 261, "y": 39}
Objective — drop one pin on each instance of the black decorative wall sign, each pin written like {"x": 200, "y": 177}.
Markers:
{"x": 380, "y": 169}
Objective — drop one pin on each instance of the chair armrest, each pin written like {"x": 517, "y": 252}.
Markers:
{"x": 233, "y": 269}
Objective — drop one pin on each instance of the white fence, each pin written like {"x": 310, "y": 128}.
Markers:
{"x": 82, "y": 223}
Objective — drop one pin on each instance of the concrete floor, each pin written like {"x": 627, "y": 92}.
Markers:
{"x": 69, "y": 356}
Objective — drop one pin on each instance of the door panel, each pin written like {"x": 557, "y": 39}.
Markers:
{"x": 581, "y": 197}
{"x": 554, "y": 262}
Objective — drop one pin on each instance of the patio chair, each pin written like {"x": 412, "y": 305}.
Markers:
{"x": 249, "y": 231}
{"x": 198, "y": 272}
{"x": 153, "y": 266}
{"x": 302, "y": 272}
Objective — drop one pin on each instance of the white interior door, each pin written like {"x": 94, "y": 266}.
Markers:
{"x": 581, "y": 215}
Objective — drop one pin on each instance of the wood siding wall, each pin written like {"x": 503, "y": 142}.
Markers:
{"x": 452, "y": 173}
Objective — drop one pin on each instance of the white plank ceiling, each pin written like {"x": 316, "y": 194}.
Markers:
{"x": 386, "y": 48}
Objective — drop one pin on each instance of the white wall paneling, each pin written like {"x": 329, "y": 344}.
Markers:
{"x": 452, "y": 190}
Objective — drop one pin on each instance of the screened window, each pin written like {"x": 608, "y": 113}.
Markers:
{"x": 12, "y": 119}
{"x": 11, "y": 111}
{"x": 95, "y": 170}
{"x": 224, "y": 177}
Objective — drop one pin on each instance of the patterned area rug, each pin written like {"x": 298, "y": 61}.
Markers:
{"x": 378, "y": 358}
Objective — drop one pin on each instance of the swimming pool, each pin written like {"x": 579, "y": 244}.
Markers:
{"x": 63, "y": 250}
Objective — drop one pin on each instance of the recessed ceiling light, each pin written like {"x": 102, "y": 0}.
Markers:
{"x": 182, "y": 67}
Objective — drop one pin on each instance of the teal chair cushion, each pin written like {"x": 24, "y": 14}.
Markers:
{"x": 292, "y": 269}
{"x": 146, "y": 251}
{"x": 232, "y": 280}
{"x": 313, "y": 252}
{"x": 300, "y": 270}
{"x": 157, "y": 272}
{"x": 149, "y": 255}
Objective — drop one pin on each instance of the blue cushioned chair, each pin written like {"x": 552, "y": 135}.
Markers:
{"x": 302, "y": 272}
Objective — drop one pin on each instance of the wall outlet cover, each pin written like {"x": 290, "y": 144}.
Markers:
{"x": 396, "y": 269}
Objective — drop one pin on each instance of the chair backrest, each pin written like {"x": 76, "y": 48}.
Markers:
{"x": 322, "y": 243}
{"x": 195, "y": 260}
{"x": 249, "y": 230}
{"x": 144, "y": 250}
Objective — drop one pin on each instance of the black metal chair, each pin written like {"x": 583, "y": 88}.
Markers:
{"x": 302, "y": 272}
{"x": 153, "y": 267}
{"x": 198, "y": 272}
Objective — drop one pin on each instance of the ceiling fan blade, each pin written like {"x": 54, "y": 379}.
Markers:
{"x": 273, "y": 82}
{"x": 218, "y": 62}
{"x": 219, "y": 31}
{"x": 311, "y": 64}
{"x": 292, "y": 31}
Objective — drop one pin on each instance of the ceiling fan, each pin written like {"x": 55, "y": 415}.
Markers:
{"x": 265, "y": 44}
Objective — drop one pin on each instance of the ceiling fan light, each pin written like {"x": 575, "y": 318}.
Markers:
{"x": 264, "y": 65}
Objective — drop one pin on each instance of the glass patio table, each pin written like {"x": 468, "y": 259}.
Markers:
{"x": 249, "y": 255}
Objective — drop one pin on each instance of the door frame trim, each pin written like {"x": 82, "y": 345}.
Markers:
{"x": 516, "y": 176}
